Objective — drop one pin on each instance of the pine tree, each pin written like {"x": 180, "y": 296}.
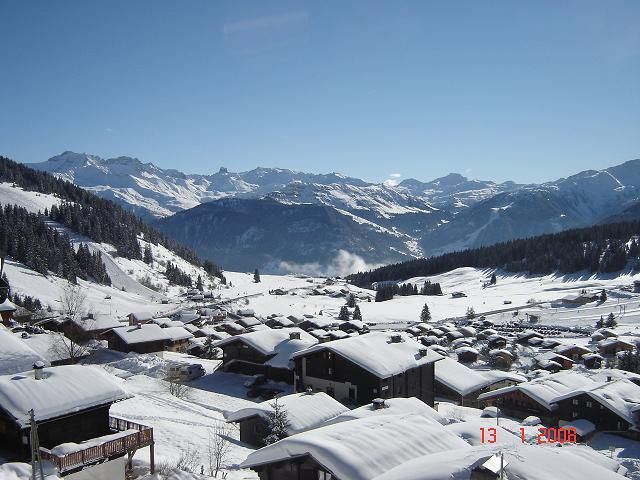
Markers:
{"x": 603, "y": 296}
{"x": 356, "y": 313}
{"x": 493, "y": 279}
{"x": 344, "y": 313}
{"x": 611, "y": 321}
{"x": 277, "y": 423}
{"x": 600, "y": 323}
{"x": 199, "y": 285}
{"x": 471, "y": 313}
{"x": 425, "y": 315}
{"x": 256, "y": 276}
{"x": 148, "y": 256}
{"x": 209, "y": 349}
{"x": 351, "y": 300}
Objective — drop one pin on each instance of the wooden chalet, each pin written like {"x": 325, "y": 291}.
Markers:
{"x": 264, "y": 352}
{"x": 69, "y": 404}
{"x": 305, "y": 411}
{"x": 136, "y": 318}
{"x": 148, "y": 338}
{"x": 613, "y": 346}
{"x": 574, "y": 352}
{"x": 553, "y": 361}
{"x": 89, "y": 327}
{"x": 359, "y": 326}
{"x": 377, "y": 365}
{"x": 7, "y": 309}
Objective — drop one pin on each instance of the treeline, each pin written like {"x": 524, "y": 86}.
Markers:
{"x": 386, "y": 291}
{"x": 100, "y": 219}
{"x": 26, "y": 238}
{"x": 596, "y": 249}
{"x": 177, "y": 276}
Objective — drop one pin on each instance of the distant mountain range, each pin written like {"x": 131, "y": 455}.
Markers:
{"x": 273, "y": 218}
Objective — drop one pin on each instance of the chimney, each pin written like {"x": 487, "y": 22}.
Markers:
{"x": 38, "y": 370}
{"x": 139, "y": 326}
{"x": 423, "y": 352}
{"x": 294, "y": 335}
{"x": 609, "y": 378}
{"x": 90, "y": 316}
{"x": 396, "y": 338}
{"x": 309, "y": 391}
{"x": 378, "y": 403}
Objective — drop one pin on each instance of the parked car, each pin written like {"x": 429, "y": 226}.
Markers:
{"x": 185, "y": 373}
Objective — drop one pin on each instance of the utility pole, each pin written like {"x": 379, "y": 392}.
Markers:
{"x": 501, "y": 465}
{"x": 35, "y": 447}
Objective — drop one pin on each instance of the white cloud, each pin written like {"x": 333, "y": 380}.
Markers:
{"x": 266, "y": 23}
{"x": 342, "y": 264}
{"x": 395, "y": 175}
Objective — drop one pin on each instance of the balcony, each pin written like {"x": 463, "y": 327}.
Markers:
{"x": 126, "y": 438}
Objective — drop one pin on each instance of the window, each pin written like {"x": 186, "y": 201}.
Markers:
{"x": 574, "y": 414}
{"x": 575, "y": 401}
{"x": 589, "y": 404}
{"x": 324, "y": 475}
{"x": 329, "y": 371}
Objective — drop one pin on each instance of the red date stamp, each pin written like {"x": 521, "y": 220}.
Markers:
{"x": 545, "y": 435}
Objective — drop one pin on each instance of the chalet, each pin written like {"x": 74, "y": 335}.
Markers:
{"x": 7, "y": 309}
{"x": 305, "y": 411}
{"x": 574, "y": 352}
{"x": 231, "y": 328}
{"x": 359, "y": 369}
{"x": 336, "y": 335}
{"x": 187, "y": 316}
{"x": 461, "y": 342}
{"x": 70, "y": 404}
{"x": 453, "y": 335}
{"x": 316, "y": 323}
{"x": 524, "y": 337}
{"x": 549, "y": 361}
{"x": 191, "y": 328}
{"x": 466, "y": 354}
{"x": 458, "y": 295}
{"x": 360, "y": 327}
{"x": 607, "y": 333}
{"x": 552, "y": 343}
{"x": 136, "y": 318}
{"x": 536, "y": 397}
{"x": 218, "y": 315}
{"x": 391, "y": 406}
{"x": 279, "y": 322}
{"x": 613, "y": 346}
{"x": 612, "y": 406}
{"x": 429, "y": 340}
{"x": 320, "y": 334}
{"x": 15, "y": 355}
{"x": 592, "y": 360}
{"x": 247, "y": 322}
{"x": 378, "y": 443}
{"x": 206, "y": 332}
{"x": 90, "y": 327}
{"x": 141, "y": 338}
{"x": 458, "y": 383}
{"x": 497, "y": 341}
{"x": 297, "y": 319}
{"x": 265, "y": 352}
{"x": 177, "y": 339}
{"x": 246, "y": 312}
{"x": 484, "y": 334}
{"x": 468, "y": 331}
{"x": 579, "y": 299}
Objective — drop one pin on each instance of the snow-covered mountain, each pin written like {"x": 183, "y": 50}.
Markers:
{"x": 378, "y": 222}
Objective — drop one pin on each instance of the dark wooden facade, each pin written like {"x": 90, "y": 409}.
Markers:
{"x": 238, "y": 357}
{"x": 588, "y": 408}
{"x": 300, "y": 468}
{"x": 519, "y": 405}
{"x": 75, "y": 427}
{"x": 346, "y": 381}
{"x": 116, "y": 343}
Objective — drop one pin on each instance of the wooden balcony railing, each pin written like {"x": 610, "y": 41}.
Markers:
{"x": 104, "y": 451}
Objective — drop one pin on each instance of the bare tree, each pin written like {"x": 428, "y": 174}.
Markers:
{"x": 218, "y": 448}
{"x": 63, "y": 347}
{"x": 73, "y": 301}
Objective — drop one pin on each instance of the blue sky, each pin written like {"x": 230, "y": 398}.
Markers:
{"x": 529, "y": 91}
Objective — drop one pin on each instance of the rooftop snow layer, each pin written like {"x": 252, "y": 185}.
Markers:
{"x": 378, "y": 354}
{"x": 15, "y": 355}
{"x": 149, "y": 332}
{"x": 393, "y": 406}
{"x": 304, "y": 411}
{"x": 364, "y": 448}
{"x": 64, "y": 390}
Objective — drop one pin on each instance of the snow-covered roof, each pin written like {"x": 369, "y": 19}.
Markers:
{"x": 177, "y": 333}
{"x": 378, "y": 354}
{"x": 275, "y": 342}
{"x": 546, "y": 389}
{"x": 458, "y": 377}
{"x": 167, "y": 322}
{"x": 187, "y": 317}
{"x": 64, "y": 390}
{"x": 149, "y": 332}
{"x": 99, "y": 321}
{"x": 526, "y": 462}
{"x": 7, "y": 306}
{"x": 304, "y": 410}
{"x": 551, "y": 356}
{"x": 141, "y": 316}
{"x": 364, "y": 448}
{"x": 613, "y": 341}
{"x": 15, "y": 355}
{"x": 620, "y": 396}
{"x": 562, "y": 349}
{"x": 392, "y": 406}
